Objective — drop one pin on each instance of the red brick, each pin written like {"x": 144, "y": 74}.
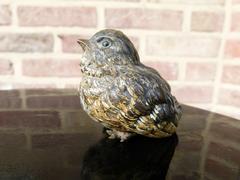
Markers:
{"x": 69, "y": 43}
{"x": 57, "y": 16}
{"x": 167, "y": 70}
{"x": 12, "y": 140}
{"x": 200, "y": 71}
{"x": 229, "y": 97}
{"x": 30, "y": 119}
{"x": 26, "y": 42}
{"x": 144, "y": 19}
{"x": 55, "y": 102}
{"x": 6, "y": 67}
{"x": 235, "y": 26}
{"x": 182, "y": 46}
{"x": 50, "y": 67}
{"x": 224, "y": 152}
{"x": 232, "y": 48}
{"x": 193, "y": 94}
{"x": 10, "y": 99}
{"x": 5, "y": 15}
{"x": 231, "y": 74}
{"x": 219, "y": 170}
{"x": 207, "y": 21}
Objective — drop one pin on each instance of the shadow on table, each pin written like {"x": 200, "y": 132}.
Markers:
{"x": 139, "y": 158}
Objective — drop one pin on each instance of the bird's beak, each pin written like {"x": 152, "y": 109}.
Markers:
{"x": 84, "y": 43}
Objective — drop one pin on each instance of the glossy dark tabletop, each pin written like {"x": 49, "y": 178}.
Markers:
{"x": 44, "y": 135}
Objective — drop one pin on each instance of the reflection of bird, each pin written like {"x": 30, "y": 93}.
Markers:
{"x": 124, "y": 95}
{"x": 139, "y": 158}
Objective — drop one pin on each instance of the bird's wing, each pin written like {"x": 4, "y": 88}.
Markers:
{"x": 143, "y": 103}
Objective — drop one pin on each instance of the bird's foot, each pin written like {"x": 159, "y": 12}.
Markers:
{"x": 113, "y": 134}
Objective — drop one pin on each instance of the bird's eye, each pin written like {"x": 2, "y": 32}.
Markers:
{"x": 106, "y": 43}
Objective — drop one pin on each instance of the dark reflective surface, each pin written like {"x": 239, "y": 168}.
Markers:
{"x": 45, "y": 135}
{"x": 139, "y": 158}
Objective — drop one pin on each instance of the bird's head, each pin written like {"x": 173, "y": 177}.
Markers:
{"x": 108, "y": 47}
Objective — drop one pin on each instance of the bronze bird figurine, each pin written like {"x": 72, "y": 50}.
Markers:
{"x": 123, "y": 94}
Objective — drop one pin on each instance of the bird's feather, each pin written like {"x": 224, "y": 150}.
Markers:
{"x": 120, "y": 92}
{"x": 139, "y": 100}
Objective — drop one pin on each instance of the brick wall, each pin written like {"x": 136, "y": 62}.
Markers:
{"x": 195, "y": 45}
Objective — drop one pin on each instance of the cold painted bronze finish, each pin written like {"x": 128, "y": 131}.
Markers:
{"x": 121, "y": 93}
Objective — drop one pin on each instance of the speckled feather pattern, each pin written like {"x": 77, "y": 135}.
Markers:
{"x": 123, "y": 94}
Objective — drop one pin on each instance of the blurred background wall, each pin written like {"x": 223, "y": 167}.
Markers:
{"x": 194, "y": 44}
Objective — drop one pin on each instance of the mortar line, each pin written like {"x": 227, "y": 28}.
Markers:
{"x": 17, "y": 65}
{"x": 57, "y": 48}
{"x": 204, "y": 150}
{"x": 142, "y": 47}
{"x": 182, "y": 70}
{"x": 222, "y": 51}
{"x": 187, "y": 20}
{"x": 14, "y": 15}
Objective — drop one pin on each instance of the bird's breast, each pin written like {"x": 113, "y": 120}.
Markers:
{"x": 92, "y": 88}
